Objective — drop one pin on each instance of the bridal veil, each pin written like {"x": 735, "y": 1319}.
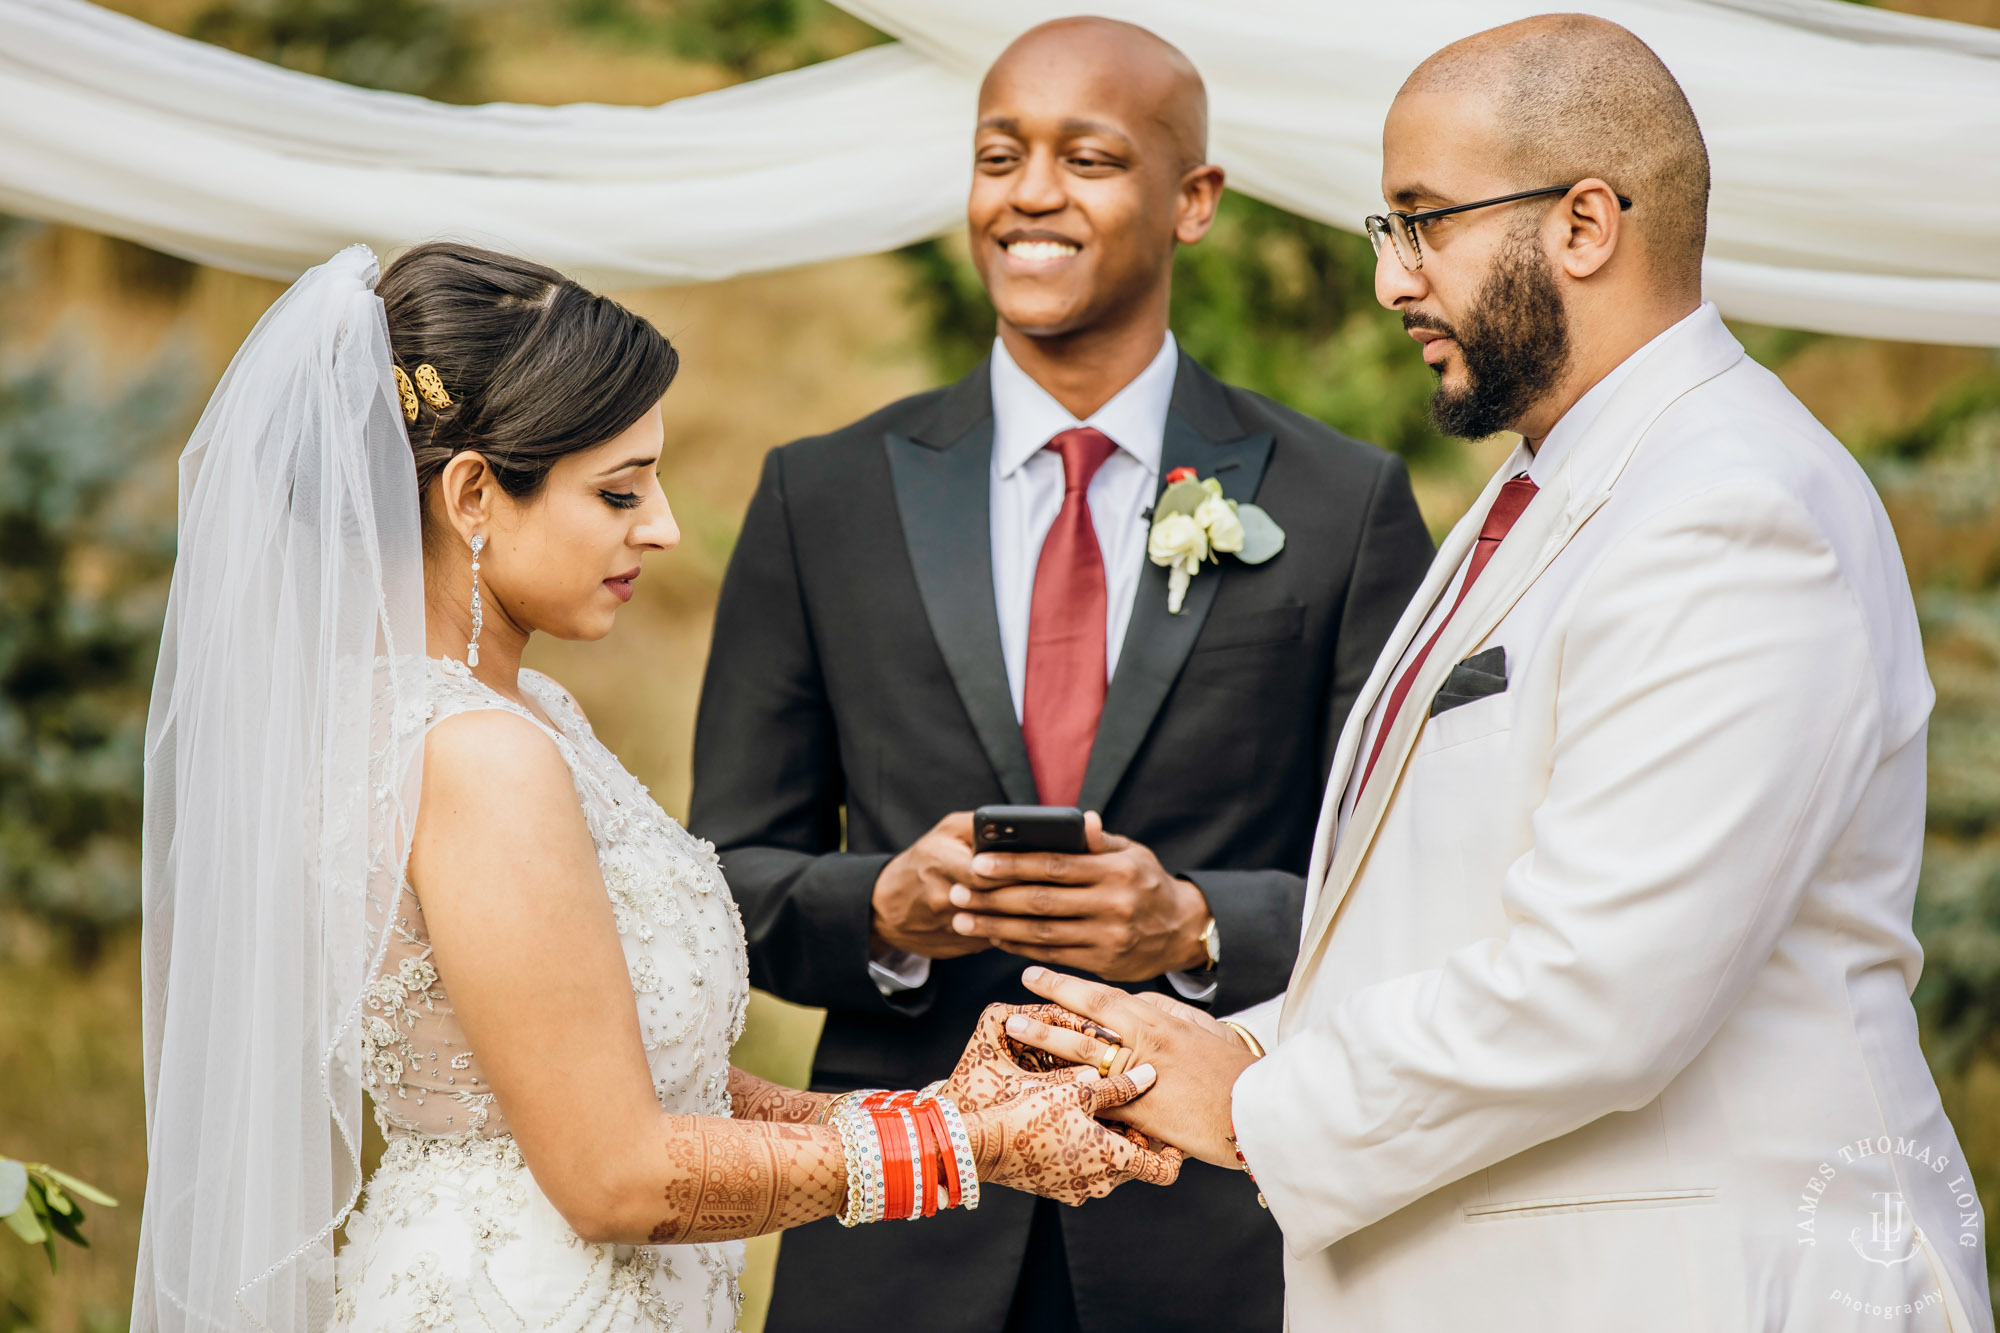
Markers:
{"x": 282, "y": 755}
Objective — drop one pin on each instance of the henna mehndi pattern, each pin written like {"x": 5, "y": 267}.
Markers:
{"x": 995, "y": 1068}
{"x": 1047, "y": 1142}
{"x": 745, "y": 1178}
{"x": 753, "y": 1098}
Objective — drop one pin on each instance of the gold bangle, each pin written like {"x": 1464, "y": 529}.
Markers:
{"x": 828, "y": 1109}
{"x": 1245, "y": 1036}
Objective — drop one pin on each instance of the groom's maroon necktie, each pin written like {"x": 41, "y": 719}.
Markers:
{"x": 1063, "y": 694}
{"x": 1507, "y": 507}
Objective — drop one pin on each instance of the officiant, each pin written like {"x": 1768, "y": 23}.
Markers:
{"x": 951, "y": 603}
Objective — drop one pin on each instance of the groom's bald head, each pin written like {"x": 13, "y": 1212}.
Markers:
{"x": 1571, "y": 97}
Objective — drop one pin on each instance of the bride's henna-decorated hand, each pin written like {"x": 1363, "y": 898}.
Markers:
{"x": 996, "y": 1068}
{"x": 1048, "y": 1140}
{"x": 1201, "y": 1058}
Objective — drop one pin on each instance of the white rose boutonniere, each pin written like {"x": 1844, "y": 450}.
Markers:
{"x": 1194, "y": 523}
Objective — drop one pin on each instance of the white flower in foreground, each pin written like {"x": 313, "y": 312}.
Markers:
{"x": 1178, "y": 540}
{"x": 1181, "y": 544}
{"x": 1218, "y": 520}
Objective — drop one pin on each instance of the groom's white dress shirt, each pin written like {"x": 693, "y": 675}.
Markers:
{"x": 1601, "y": 1017}
{"x": 1025, "y": 496}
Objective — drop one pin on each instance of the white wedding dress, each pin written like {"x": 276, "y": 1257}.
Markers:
{"x": 453, "y": 1232}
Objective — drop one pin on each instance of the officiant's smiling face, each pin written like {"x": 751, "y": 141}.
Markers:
{"x": 1088, "y": 170}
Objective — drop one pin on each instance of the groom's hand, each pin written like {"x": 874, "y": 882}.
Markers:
{"x": 1198, "y": 1059}
{"x": 1115, "y": 911}
{"x": 912, "y": 908}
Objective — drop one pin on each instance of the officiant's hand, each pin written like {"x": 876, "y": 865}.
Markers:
{"x": 1197, "y": 1058}
{"x": 912, "y": 906}
{"x": 1115, "y": 912}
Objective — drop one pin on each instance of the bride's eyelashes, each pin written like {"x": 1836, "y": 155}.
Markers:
{"x": 621, "y": 499}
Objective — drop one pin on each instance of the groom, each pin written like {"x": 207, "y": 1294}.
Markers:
{"x": 949, "y": 604}
{"x": 1602, "y": 1018}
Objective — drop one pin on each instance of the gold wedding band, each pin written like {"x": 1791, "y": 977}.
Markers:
{"x": 1104, "y": 1061}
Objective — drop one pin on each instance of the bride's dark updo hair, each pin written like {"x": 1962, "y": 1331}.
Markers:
{"x": 536, "y": 366}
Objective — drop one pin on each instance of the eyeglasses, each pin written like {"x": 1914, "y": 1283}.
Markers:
{"x": 1401, "y": 228}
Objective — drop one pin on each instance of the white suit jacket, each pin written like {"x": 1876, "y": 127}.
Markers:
{"x": 1601, "y": 1017}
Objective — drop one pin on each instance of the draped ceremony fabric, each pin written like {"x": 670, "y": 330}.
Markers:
{"x": 1857, "y": 183}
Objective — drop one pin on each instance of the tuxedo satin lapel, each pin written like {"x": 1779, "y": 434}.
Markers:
{"x": 1157, "y": 644}
{"x": 943, "y": 495}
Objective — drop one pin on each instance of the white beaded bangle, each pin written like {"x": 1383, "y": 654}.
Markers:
{"x": 865, "y": 1181}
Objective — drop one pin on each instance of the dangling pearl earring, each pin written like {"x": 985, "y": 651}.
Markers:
{"x": 478, "y": 615}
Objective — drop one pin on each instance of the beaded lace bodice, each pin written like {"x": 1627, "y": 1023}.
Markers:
{"x": 682, "y": 936}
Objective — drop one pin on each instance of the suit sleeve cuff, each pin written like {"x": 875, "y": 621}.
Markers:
{"x": 1262, "y": 1020}
{"x": 893, "y": 971}
{"x": 1258, "y": 913}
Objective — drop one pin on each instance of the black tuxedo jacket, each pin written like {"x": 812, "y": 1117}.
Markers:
{"x": 856, "y": 693}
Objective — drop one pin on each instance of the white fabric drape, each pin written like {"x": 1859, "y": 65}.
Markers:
{"x": 1857, "y": 185}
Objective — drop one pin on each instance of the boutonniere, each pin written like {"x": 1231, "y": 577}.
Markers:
{"x": 1195, "y": 522}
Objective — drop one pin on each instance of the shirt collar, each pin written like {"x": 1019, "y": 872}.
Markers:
{"x": 1583, "y": 414}
{"x": 1026, "y": 417}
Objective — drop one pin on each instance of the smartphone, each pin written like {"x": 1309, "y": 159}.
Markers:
{"x": 1028, "y": 828}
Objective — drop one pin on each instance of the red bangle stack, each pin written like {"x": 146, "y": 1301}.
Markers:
{"x": 896, "y": 1163}
{"x": 919, "y": 1159}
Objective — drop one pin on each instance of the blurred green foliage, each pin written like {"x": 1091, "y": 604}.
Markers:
{"x": 1941, "y": 480}
{"x": 82, "y": 570}
{"x": 748, "y": 38}
{"x": 405, "y": 46}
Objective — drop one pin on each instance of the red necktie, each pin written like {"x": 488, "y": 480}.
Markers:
{"x": 1507, "y": 507}
{"x": 1063, "y": 695}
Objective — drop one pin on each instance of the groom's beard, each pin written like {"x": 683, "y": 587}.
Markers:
{"x": 1515, "y": 343}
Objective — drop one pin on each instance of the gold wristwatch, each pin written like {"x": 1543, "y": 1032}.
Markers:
{"x": 1211, "y": 943}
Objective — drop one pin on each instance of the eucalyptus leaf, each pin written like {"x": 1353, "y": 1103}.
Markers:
{"x": 1262, "y": 537}
{"x": 69, "y": 1182}
{"x": 69, "y": 1228}
{"x": 26, "y": 1225}
{"x": 13, "y": 1185}
{"x": 1183, "y": 497}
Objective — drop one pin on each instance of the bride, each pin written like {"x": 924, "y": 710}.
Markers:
{"x": 381, "y": 855}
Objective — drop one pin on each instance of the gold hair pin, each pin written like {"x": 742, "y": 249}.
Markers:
{"x": 427, "y": 383}
{"x": 431, "y": 387}
{"x": 405, "y": 392}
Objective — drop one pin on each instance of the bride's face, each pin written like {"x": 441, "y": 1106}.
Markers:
{"x": 562, "y": 562}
